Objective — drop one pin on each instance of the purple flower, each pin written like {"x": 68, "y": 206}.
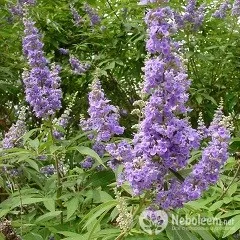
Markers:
{"x": 93, "y": 16}
{"x": 42, "y": 85}
{"x": 28, "y": 2}
{"x": 76, "y": 17}
{"x": 222, "y": 11}
{"x": 48, "y": 170}
{"x": 99, "y": 148}
{"x": 103, "y": 118}
{"x": 13, "y": 137}
{"x": 236, "y": 8}
{"x": 78, "y": 67}
{"x": 205, "y": 172}
{"x": 62, "y": 122}
{"x": 192, "y": 18}
{"x": 18, "y": 9}
{"x": 121, "y": 152}
{"x": 87, "y": 163}
{"x": 165, "y": 138}
{"x": 64, "y": 51}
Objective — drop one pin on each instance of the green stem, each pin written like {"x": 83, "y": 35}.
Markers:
{"x": 56, "y": 163}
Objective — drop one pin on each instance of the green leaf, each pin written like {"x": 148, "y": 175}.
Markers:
{"x": 97, "y": 211}
{"x": 232, "y": 189}
{"x": 232, "y": 226}
{"x": 29, "y": 134}
{"x": 216, "y": 205}
{"x": 179, "y": 233}
{"x": 91, "y": 232}
{"x": 49, "y": 204}
{"x": 229, "y": 214}
{"x": 25, "y": 201}
{"x": 89, "y": 152}
{"x": 209, "y": 98}
{"x": 70, "y": 234}
{"x": 205, "y": 235}
{"x": 33, "y": 236}
{"x": 99, "y": 196}
{"x": 72, "y": 207}
{"x": 48, "y": 216}
{"x": 32, "y": 164}
{"x": 34, "y": 143}
{"x": 4, "y": 212}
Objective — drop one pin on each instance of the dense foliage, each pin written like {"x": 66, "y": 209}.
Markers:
{"x": 110, "y": 108}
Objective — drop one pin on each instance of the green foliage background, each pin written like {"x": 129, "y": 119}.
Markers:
{"x": 86, "y": 208}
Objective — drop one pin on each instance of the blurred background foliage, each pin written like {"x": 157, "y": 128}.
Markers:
{"x": 116, "y": 51}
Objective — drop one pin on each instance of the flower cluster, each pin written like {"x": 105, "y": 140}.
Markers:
{"x": 193, "y": 16}
{"x": 48, "y": 170}
{"x": 93, "y": 16}
{"x": 63, "y": 121}
{"x": 87, "y": 163}
{"x": 42, "y": 85}
{"x": 222, "y": 11}
{"x": 164, "y": 140}
{"x": 125, "y": 218}
{"x": 236, "y": 8}
{"x": 76, "y": 17}
{"x": 205, "y": 172}
{"x": 119, "y": 152}
{"x": 78, "y": 68}
{"x": 103, "y": 118}
{"x": 103, "y": 121}
{"x": 64, "y": 51}
{"x": 13, "y": 136}
{"x": 18, "y": 9}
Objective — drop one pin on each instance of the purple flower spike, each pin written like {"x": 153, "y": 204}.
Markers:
{"x": 93, "y": 16}
{"x": 78, "y": 68}
{"x": 42, "y": 85}
{"x": 103, "y": 118}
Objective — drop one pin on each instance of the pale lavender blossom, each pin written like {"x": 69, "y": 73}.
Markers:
{"x": 76, "y": 17}
{"x": 165, "y": 139}
{"x": 145, "y": 2}
{"x": 92, "y": 14}
{"x": 103, "y": 117}
{"x": 13, "y": 138}
{"x": 222, "y": 11}
{"x": 64, "y": 51}
{"x": 87, "y": 163}
{"x": 236, "y": 8}
{"x": 78, "y": 68}
{"x": 42, "y": 85}
{"x": 18, "y": 9}
{"x": 192, "y": 18}
{"x": 206, "y": 172}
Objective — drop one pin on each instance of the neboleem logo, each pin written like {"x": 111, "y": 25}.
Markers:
{"x": 153, "y": 222}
